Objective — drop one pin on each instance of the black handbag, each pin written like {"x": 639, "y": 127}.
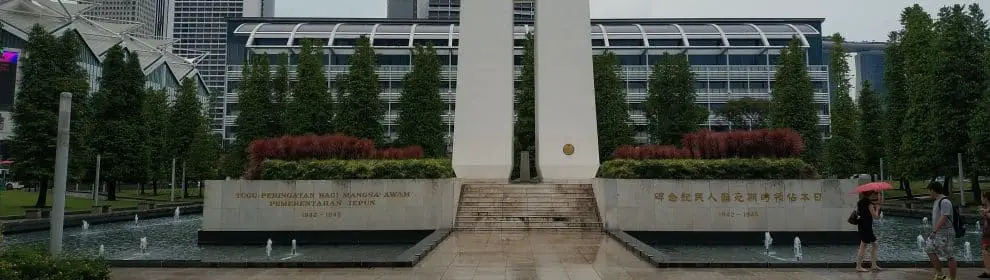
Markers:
{"x": 854, "y": 218}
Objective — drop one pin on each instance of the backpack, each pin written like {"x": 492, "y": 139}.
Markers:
{"x": 957, "y": 219}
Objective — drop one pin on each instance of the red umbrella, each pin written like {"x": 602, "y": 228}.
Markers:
{"x": 873, "y": 187}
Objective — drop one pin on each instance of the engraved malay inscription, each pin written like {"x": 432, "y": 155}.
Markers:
{"x": 323, "y": 204}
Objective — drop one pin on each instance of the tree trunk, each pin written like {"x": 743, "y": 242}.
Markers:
{"x": 112, "y": 190}
{"x": 201, "y": 185}
{"x": 42, "y": 194}
{"x": 185, "y": 189}
{"x": 907, "y": 188}
{"x": 154, "y": 187}
{"x": 141, "y": 188}
{"x": 948, "y": 186}
{"x": 977, "y": 193}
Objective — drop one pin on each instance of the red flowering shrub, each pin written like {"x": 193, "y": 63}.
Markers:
{"x": 705, "y": 144}
{"x": 320, "y": 147}
{"x": 777, "y": 143}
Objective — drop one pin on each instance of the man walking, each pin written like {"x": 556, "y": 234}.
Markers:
{"x": 939, "y": 242}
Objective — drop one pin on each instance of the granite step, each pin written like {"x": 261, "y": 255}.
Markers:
{"x": 527, "y": 218}
{"x": 546, "y": 190}
{"x": 475, "y": 224}
{"x": 548, "y": 213}
{"x": 522, "y": 194}
{"x": 509, "y": 209}
{"x": 531, "y": 228}
{"x": 529, "y": 199}
{"x": 530, "y": 204}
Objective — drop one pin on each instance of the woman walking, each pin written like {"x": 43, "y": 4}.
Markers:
{"x": 868, "y": 209}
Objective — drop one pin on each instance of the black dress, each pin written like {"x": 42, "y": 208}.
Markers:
{"x": 865, "y": 223}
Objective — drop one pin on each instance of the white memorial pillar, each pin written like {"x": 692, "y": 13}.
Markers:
{"x": 483, "y": 116}
{"x": 566, "y": 126}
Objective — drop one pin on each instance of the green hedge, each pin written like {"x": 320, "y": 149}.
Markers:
{"x": 356, "y": 169}
{"x": 735, "y": 168}
{"x": 35, "y": 263}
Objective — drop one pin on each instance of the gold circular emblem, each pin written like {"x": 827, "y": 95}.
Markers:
{"x": 568, "y": 149}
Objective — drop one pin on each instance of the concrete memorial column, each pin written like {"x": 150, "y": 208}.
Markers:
{"x": 566, "y": 123}
{"x": 483, "y": 116}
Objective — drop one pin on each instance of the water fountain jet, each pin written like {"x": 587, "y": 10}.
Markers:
{"x": 85, "y": 225}
{"x": 921, "y": 243}
{"x": 969, "y": 253}
{"x": 136, "y": 219}
{"x": 103, "y": 251}
{"x": 268, "y": 248}
{"x": 797, "y": 249}
{"x": 293, "y": 247}
{"x": 924, "y": 222}
{"x": 177, "y": 213}
{"x": 144, "y": 245}
{"x": 767, "y": 241}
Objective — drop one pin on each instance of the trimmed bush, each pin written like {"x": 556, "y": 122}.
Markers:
{"x": 35, "y": 263}
{"x": 356, "y": 169}
{"x": 696, "y": 169}
{"x": 705, "y": 144}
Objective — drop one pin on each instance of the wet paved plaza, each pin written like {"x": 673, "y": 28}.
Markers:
{"x": 525, "y": 255}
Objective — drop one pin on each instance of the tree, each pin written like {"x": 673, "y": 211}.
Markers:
{"x": 961, "y": 76}
{"x": 155, "y": 117}
{"x": 421, "y": 120}
{"x": 979, "y": 135}
{"x": 611, "y": 106}
{"x": 792, "y": 104}
{"x": 118, "y": 128}
{"x": 871, "y": 135}
{"x": 921, "y": 155}
{"x": 361, "y": 109}
{"x": 311, "y": 108}
{"x": 254, "y": 121}
{"x": 280, "y": 98}
{"x": 185, "y": 123}
{"x": 842, "y": 158}
{"x": 49, "y": 69}
{"x": 524, "y": 131}
{"x": 670, "y": 106}
{"x": 204, "y": 153}
{"x": 895, "y": 106}
{"x": 746, "y": 112}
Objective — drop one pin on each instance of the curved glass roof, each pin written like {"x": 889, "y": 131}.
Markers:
{"x": 431, "y": 31}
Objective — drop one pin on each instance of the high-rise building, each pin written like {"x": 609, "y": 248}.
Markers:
{"x": 201, "y": 29}
{"x": 866, "y": 63}
{"x": 446, "y": 9}
{"x": 152, "y": 15}
{"x": 731, "y": 58}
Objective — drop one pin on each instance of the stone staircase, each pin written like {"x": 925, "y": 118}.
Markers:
{"x": 528, "y": 207}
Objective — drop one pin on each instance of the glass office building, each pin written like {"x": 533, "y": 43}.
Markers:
{"x": 201, "y": 30}
{"x": 866, "y": 63}
{"x": 446, "y": 9}
{"x": 731, "y": 58}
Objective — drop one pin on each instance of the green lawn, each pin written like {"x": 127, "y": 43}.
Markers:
{"x": 163, "y": 194}
{"x": 14, "y": 202}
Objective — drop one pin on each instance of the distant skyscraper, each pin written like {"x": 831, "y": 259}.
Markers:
{"x": 153, "y": 15}
{"x": 446, "y": 9}
{"x": 201, "y": 28}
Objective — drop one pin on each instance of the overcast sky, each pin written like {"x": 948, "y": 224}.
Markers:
{"x": 857, "y": 20}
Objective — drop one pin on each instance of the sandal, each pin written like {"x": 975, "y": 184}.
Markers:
{"x": 860, "y": 269}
